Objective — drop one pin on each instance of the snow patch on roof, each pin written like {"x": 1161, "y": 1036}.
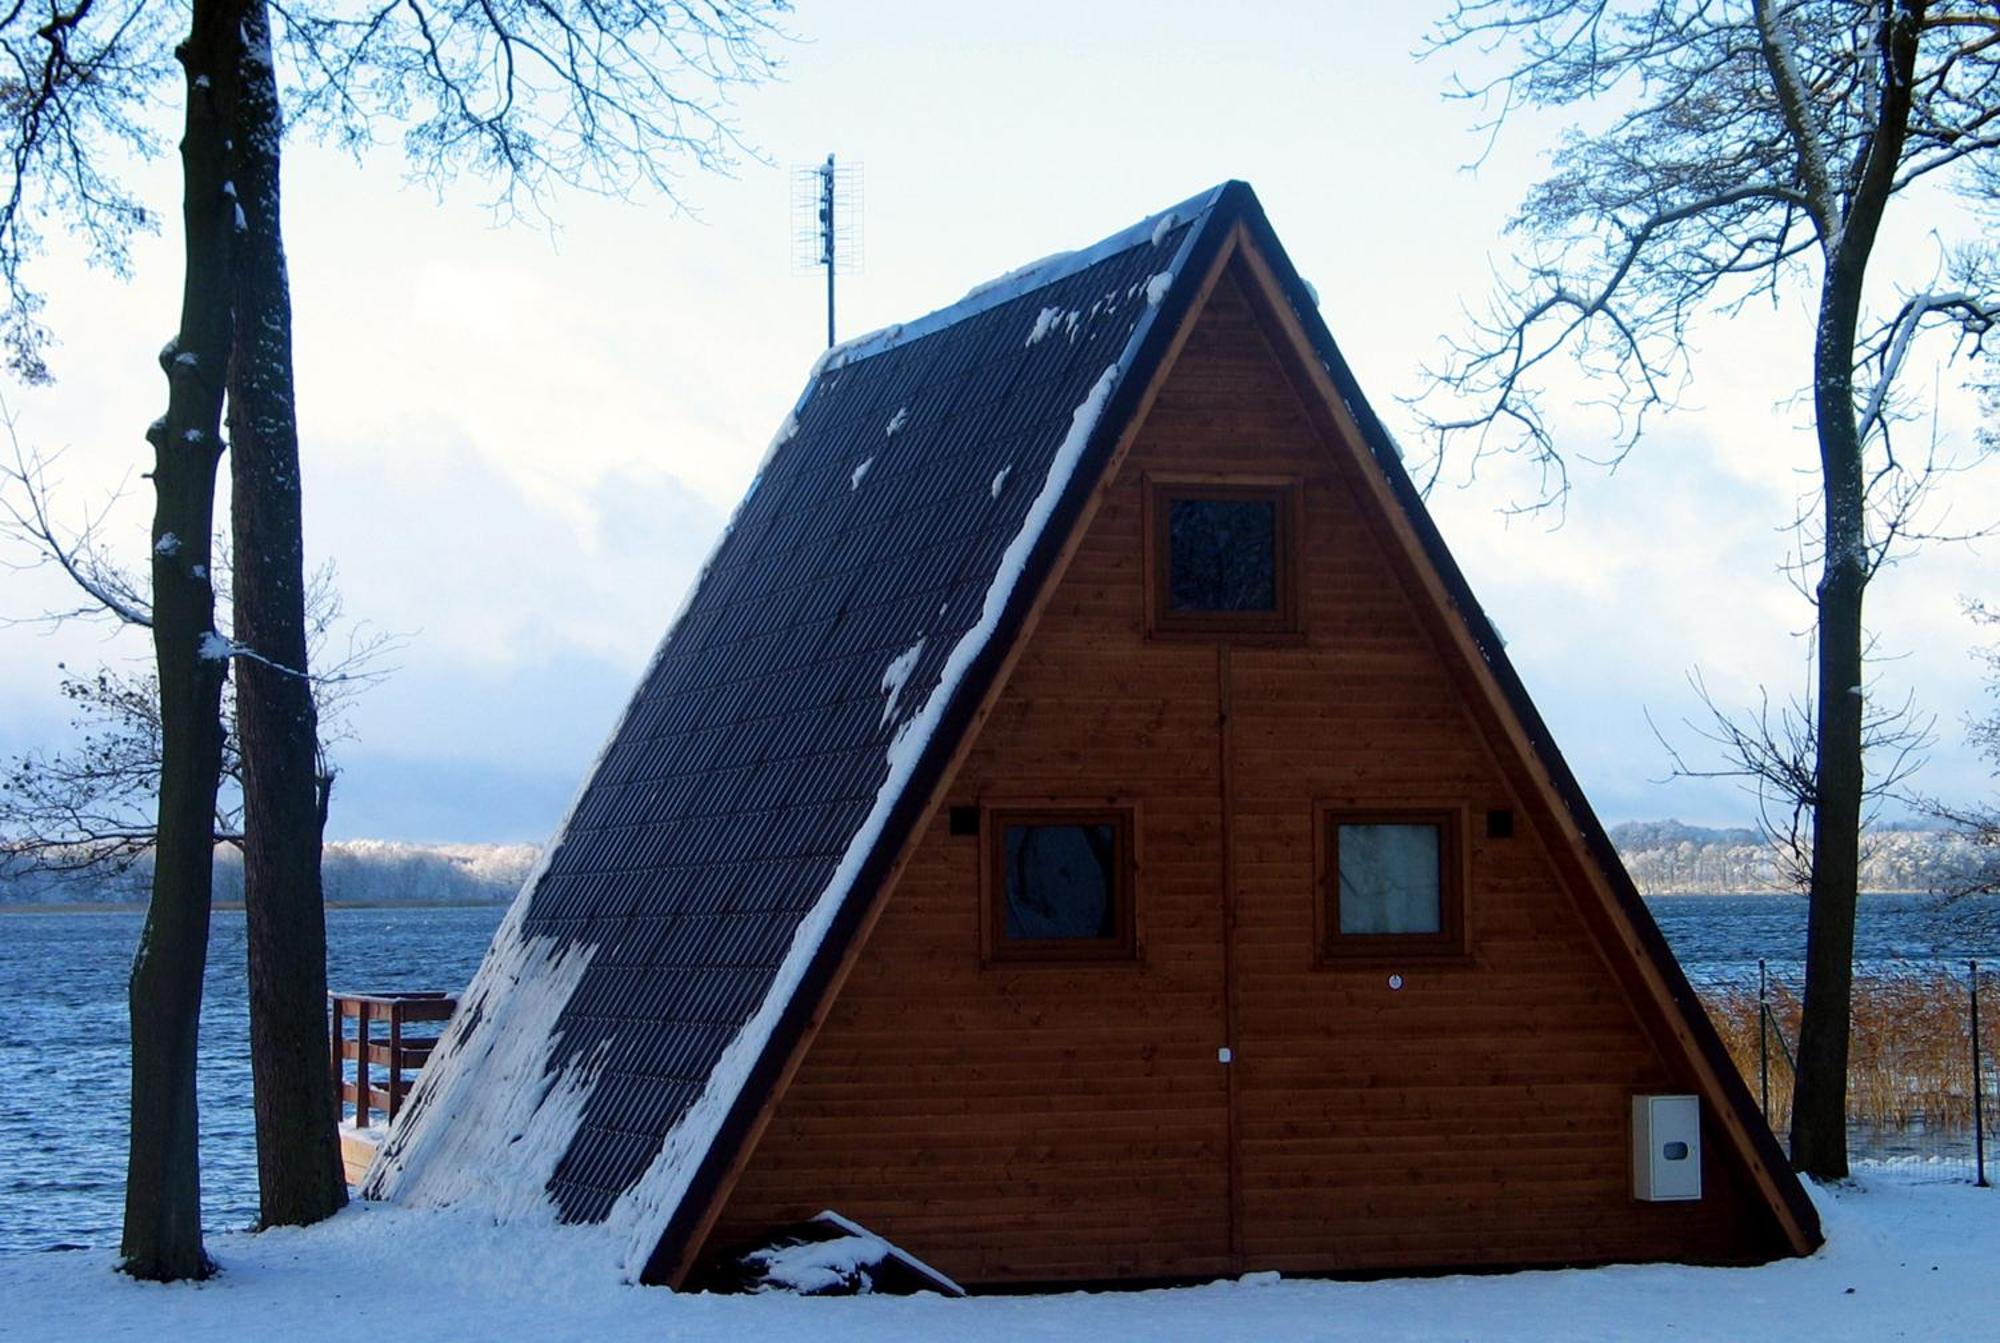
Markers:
{"x": 1157, "y": 287}
{"x": 854, "y": 481}
{"x": 1045, "y": 322}
{"x": 419, "y": 1162}
{"x": 898, "y": 420}
{"x": 1164, "y": 225}
{"x": 497, "y": 1113}
{"x": 896, "y": 675}
{"x": 1000, "y": 480}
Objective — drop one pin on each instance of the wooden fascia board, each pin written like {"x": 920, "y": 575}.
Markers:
{"x": 1574, "y": 846}
{"x": 907, "y": 843}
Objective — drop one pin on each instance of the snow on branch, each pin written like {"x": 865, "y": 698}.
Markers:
{"x": 1974, "y": 314}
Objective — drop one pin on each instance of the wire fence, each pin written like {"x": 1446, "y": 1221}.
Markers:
{"x": 1922, "y": 1088}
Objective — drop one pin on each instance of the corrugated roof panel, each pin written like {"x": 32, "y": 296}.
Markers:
{"x": 758, "y": 740}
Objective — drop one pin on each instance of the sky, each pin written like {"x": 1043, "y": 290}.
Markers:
{"x": 521, "y": 440}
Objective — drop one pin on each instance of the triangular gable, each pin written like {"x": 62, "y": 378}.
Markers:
{"x": 665, "y": 1214}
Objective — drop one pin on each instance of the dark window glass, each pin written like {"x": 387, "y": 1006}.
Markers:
{"x": 1390, "y": 879}
{"x": 1222, "y": 555}
{"x": 1062, "y": 881}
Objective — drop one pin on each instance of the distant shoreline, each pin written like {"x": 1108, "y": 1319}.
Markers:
{"x": 229, "y": 906}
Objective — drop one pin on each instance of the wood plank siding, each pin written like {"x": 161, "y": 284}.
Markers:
{"x": 1013, "y": 1123}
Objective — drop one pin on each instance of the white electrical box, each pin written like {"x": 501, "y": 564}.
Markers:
{"x": 1666, "y": 1148}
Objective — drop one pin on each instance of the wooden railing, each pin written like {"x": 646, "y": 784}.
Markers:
{"x": 380, "y": 1044}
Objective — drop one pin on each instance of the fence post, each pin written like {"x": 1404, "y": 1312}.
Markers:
{"x": 1978, "y": 1090}
{"x": 333, "y": 1048}
{"x": 1763, "y": 1042}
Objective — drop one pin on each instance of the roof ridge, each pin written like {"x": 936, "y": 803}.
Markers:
{"x": 1013, "y": 284}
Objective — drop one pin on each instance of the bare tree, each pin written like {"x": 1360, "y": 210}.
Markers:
{"x": 1773, "y": 753}
{"x": 528, "y": 94}
{"x": 89, "y": 808}
{"x": 1754, "y": 147}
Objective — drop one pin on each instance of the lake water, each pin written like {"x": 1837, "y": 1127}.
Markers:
{"x": 63, "y": 1065}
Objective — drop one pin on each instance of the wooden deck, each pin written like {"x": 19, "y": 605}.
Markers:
{"x": 376, "y": 1061}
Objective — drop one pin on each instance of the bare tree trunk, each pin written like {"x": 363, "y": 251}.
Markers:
{"x": 299, "y": 1174}
{"x": 162, "y": 1237}
{"x": 1819, "y": 1105}
{"x": 1819, "y": 1102}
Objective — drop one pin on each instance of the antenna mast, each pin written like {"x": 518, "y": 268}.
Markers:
{"x": 828, "y": 236}
{"x": 826, "y": 224}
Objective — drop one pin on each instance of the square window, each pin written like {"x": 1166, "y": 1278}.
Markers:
{"x": 1392, "y": 884}
{"x": 1222, "y": 554}
{"x": 1389, "y": 878}
{"x": 1059, "y": 885}
{"x": 1224, "y": 557}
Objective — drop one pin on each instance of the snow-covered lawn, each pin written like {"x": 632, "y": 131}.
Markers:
{"x": 1902, "y": 1261}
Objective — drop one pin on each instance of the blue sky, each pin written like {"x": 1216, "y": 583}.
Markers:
{"x": 520, "y": 442}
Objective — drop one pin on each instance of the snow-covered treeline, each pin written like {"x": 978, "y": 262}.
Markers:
{"x": 356, "y": 872}
{"x": 1669, "y": 858}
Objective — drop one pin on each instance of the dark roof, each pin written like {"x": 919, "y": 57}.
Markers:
{"x": 755, "y": 772}
{"x": 793, "y": 723}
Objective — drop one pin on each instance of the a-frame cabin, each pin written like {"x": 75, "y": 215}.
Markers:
{"x": 1082, "y": 827}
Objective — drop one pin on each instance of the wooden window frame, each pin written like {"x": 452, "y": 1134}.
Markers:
{"x": 1335, "y": 948}
{"x": 998, "y": 948}
{"x": 1285, "y": 624}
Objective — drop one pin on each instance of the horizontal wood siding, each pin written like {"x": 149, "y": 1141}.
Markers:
{"x": 1014, "y": 1123}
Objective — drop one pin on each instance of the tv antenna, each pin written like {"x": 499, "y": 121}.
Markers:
{"x": 826, "y": 224}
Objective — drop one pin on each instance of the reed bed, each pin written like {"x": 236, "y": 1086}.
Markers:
{"x": 1910, "y": 1054}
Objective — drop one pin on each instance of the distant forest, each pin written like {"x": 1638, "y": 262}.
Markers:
{"x": 1669, "y": 858}
{"x": 1664, "y": 857}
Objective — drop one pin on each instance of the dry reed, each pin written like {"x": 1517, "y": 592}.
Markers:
{"x": 1909, "y": 1058}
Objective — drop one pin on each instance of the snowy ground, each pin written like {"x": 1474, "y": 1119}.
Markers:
{"x": 1902, "y": 1261}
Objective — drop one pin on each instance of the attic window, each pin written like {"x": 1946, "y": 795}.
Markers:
{"x": 1224, "y": 556}
{"x": 1059, "y": 885}
{"x": 1391, "y": 883}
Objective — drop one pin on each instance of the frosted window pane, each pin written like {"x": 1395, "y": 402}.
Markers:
{"x": 1389, "y": 879}
{"x": 1061, "y": 882}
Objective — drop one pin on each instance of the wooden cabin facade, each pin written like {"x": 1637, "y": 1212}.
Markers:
{"x": 1236, "y": 912}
